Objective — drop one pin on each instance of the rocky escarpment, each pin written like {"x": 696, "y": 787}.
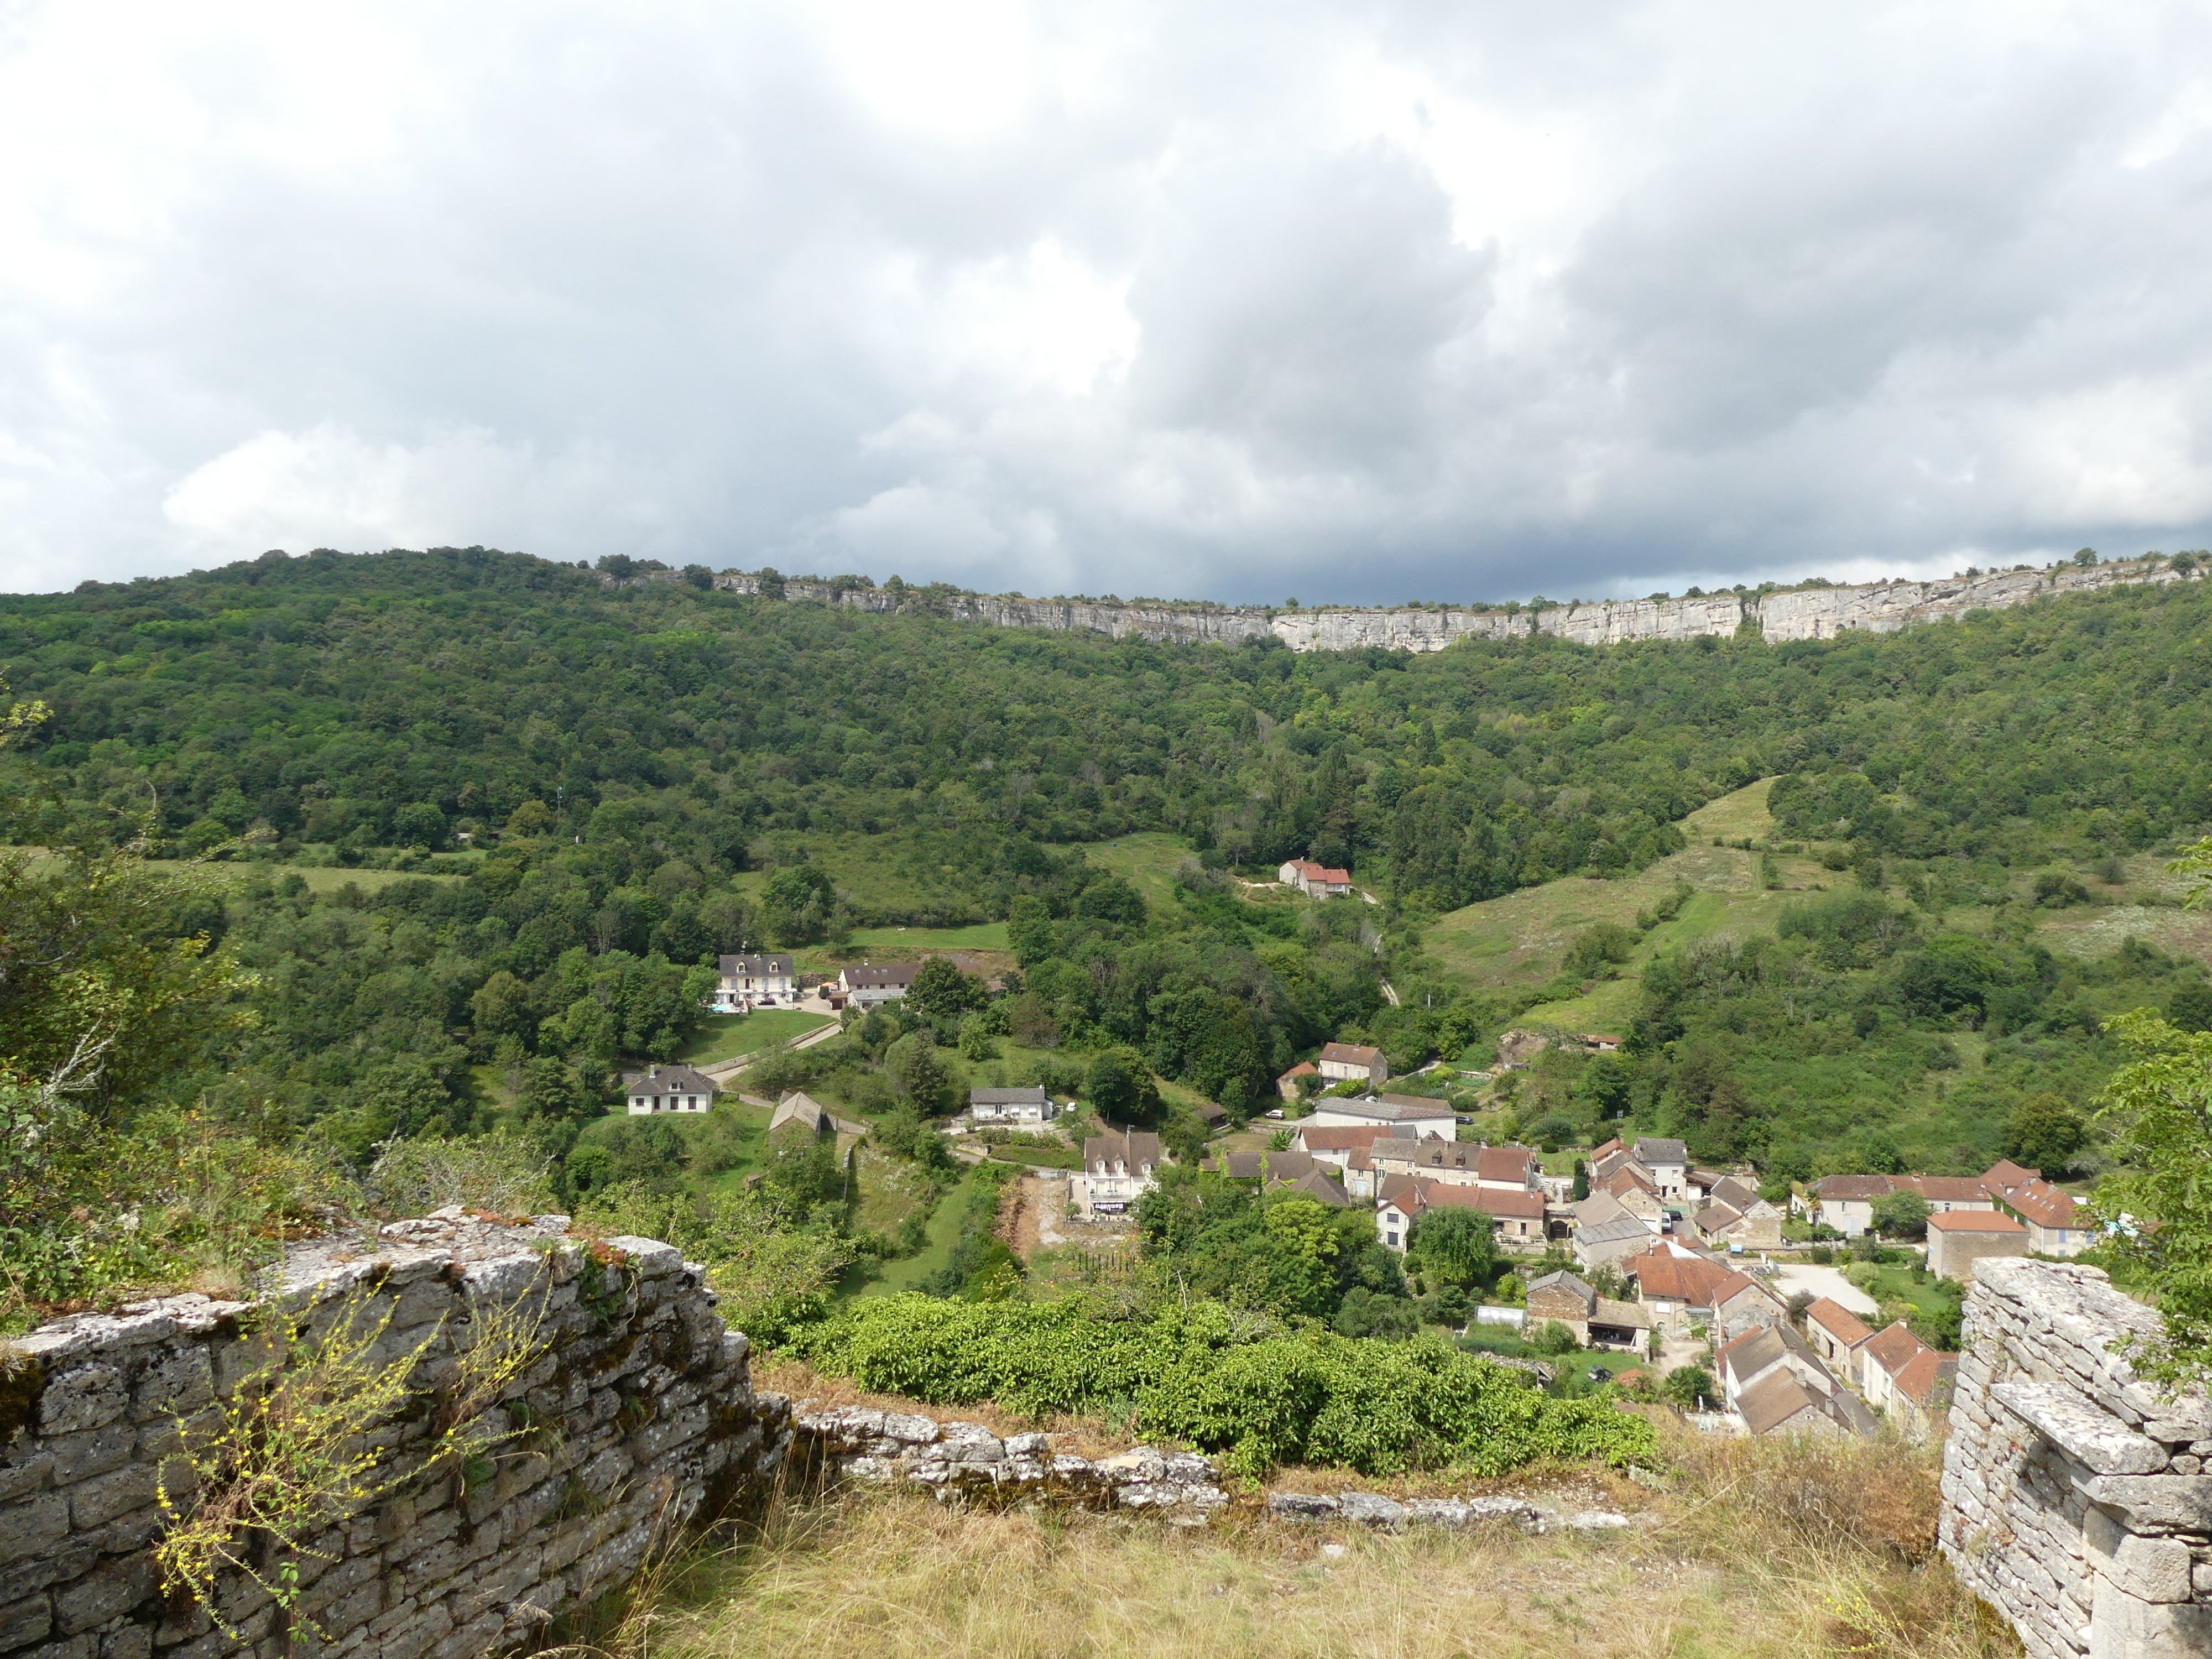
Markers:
{"x": 1814, "y": 613}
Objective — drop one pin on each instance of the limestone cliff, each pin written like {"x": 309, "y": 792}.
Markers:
{"x": 1813, "y": 613}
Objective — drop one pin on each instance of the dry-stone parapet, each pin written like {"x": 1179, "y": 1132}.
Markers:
{"x": 1813, "y": 613}
{"x": 966, "y": 1462}
{"x": 2075, "y": 1499}
{"x": 642, "y": 1415}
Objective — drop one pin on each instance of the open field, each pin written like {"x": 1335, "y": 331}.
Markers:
{"x": 725, "y": 1037}
{"x": 319, "y": 877}
{"x": 1750, "y": 1550}
{"x": 1148, "y": 862}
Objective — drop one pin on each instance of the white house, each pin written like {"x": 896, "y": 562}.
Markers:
{"x": 865, "y": 985}
{"x": 1668, "y": 1161}
{"x": 1029, "y": 1105}
{"x": 764, "y": 981}
{"x": 1118, "y": 1168}
{"x": 669, "y": 1088}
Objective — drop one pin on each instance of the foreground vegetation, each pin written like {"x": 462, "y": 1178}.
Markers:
{"x": 1746, "y": 1549}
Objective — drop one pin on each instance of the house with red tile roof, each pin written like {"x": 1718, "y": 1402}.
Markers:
{"x": 1683, "y": 1291}
{"x": 2055, "y": 1222}
{"x": 1904, "y": 1378}
{"x": 1314, "y": 880}
{"x": 1287, "y": 1085}
{"x": 1404, "y": 1198}
{"x": 1837, "y": 1334}
{"x": 1846, "y": 1203}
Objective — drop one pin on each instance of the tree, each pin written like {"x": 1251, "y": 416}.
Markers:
{"x": 419, "y": 824}
{"x": 1121, "y": 1089}
{"x": 503, "y": 1006}
{"x": 2159, "y": 1109}
{"x": 1692, "y": 1388}
{"x": 1457, "y": 1246}
{"x": 1901, "y": 1215}
{"x": 2190, "y": 1009}
{"x": 1582, "y": 1189}
{"x": 941, "y": 994}
{"x": 2043, "y": 1133}
{"x": 925, "y": 1079}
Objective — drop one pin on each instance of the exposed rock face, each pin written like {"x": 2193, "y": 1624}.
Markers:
{"x": 2075, "y": 1496}
{"x": 644, "y": 1416}
{"x": 1803, "y": 614}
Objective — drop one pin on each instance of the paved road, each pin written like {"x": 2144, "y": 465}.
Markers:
{"x": 1823, "y": 1281}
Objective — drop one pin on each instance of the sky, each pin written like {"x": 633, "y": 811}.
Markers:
{"x": 1360, "y": 303}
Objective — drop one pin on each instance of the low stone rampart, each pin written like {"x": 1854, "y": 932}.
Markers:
{"x": 2075, "y": 1499}
{"x": 641, "y": 1415}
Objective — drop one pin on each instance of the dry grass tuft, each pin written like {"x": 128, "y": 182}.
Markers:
{"x": 1753, "y": 1551}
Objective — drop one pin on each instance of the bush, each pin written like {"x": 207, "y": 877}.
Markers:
{"x": 1222, "y": 1381}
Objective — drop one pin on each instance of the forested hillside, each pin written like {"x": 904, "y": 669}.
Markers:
{"x": 478, "y": 822}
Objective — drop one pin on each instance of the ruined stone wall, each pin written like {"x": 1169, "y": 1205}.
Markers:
{"x": 2075, "y": 1499}
{"x": 1804, "y": 614}
{"x": 642, "y": 1416}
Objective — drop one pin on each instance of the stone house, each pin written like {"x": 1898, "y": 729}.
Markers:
{"x": 1906, "y": 1379}
{"x": 1287, "y": 1085}
{"x": 1597, "y": 1321}
{"x": 1611, "y": 1241}
{"x": 1405, "y": 1199}
{"x": 803, "y": 1111}
{"x": 1959, "y": 1238}
{"x": 669, "y": 1088}
{"x": 754, "y": 981}
{"x": 1353, "y": 1062}
{"x": 1759, "y": 1227}
{"x": 1781, "y": 1404}
{"x": 1314, "y": 880}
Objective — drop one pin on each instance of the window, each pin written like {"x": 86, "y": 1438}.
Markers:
{"x": 1392, "y": 1239}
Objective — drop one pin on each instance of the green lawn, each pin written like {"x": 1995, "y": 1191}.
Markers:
{"x": 725, "y": 1037}
{"x": 983, "y": 936}
{"x": 1041, "y": 1158}
{"x": 943, "y": 1233}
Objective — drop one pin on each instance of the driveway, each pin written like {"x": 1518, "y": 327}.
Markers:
{"x": 1830, "y": 1282}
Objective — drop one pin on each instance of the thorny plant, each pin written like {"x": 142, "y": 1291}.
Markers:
{"x": 296, "y": 1448}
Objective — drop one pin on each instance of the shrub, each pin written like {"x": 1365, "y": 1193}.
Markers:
{"x": 1261, "y": 1392}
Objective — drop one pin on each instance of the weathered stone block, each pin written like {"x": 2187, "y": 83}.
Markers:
{"x": 84, "y": 1398}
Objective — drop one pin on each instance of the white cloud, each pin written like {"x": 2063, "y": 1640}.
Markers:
{"x": 1229, "y": 300}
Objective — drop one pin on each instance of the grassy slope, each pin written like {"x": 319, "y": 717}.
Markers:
{"x": 943, "y": 1233}
{"x": 1520, "y": 940}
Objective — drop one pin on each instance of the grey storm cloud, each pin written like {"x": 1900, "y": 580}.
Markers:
{"x": 1356, "y": 302}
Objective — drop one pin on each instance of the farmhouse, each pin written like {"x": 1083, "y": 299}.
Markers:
{"x": 754, "y": 981}
{"x": 1354, "y": 1063}
{"x": 670, "y": 1089}
{"x": 1315, "y": 880}
{"x": 1405, "y": 1198}
{"x": 1845, "y": 1202}
{"x": 2054, "y": 1223}
{"x": 1287, "y": 1085}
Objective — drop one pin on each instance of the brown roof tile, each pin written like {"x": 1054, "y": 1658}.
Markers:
{"x": 1839, "y": 1321}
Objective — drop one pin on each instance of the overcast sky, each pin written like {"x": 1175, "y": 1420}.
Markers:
{"x": 1236, "y": 301}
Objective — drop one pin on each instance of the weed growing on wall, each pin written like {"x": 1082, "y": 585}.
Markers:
{"x": 300, "y": 1446}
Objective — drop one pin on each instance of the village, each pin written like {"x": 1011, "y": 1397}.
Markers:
{"x": 1634, "y": 1256}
